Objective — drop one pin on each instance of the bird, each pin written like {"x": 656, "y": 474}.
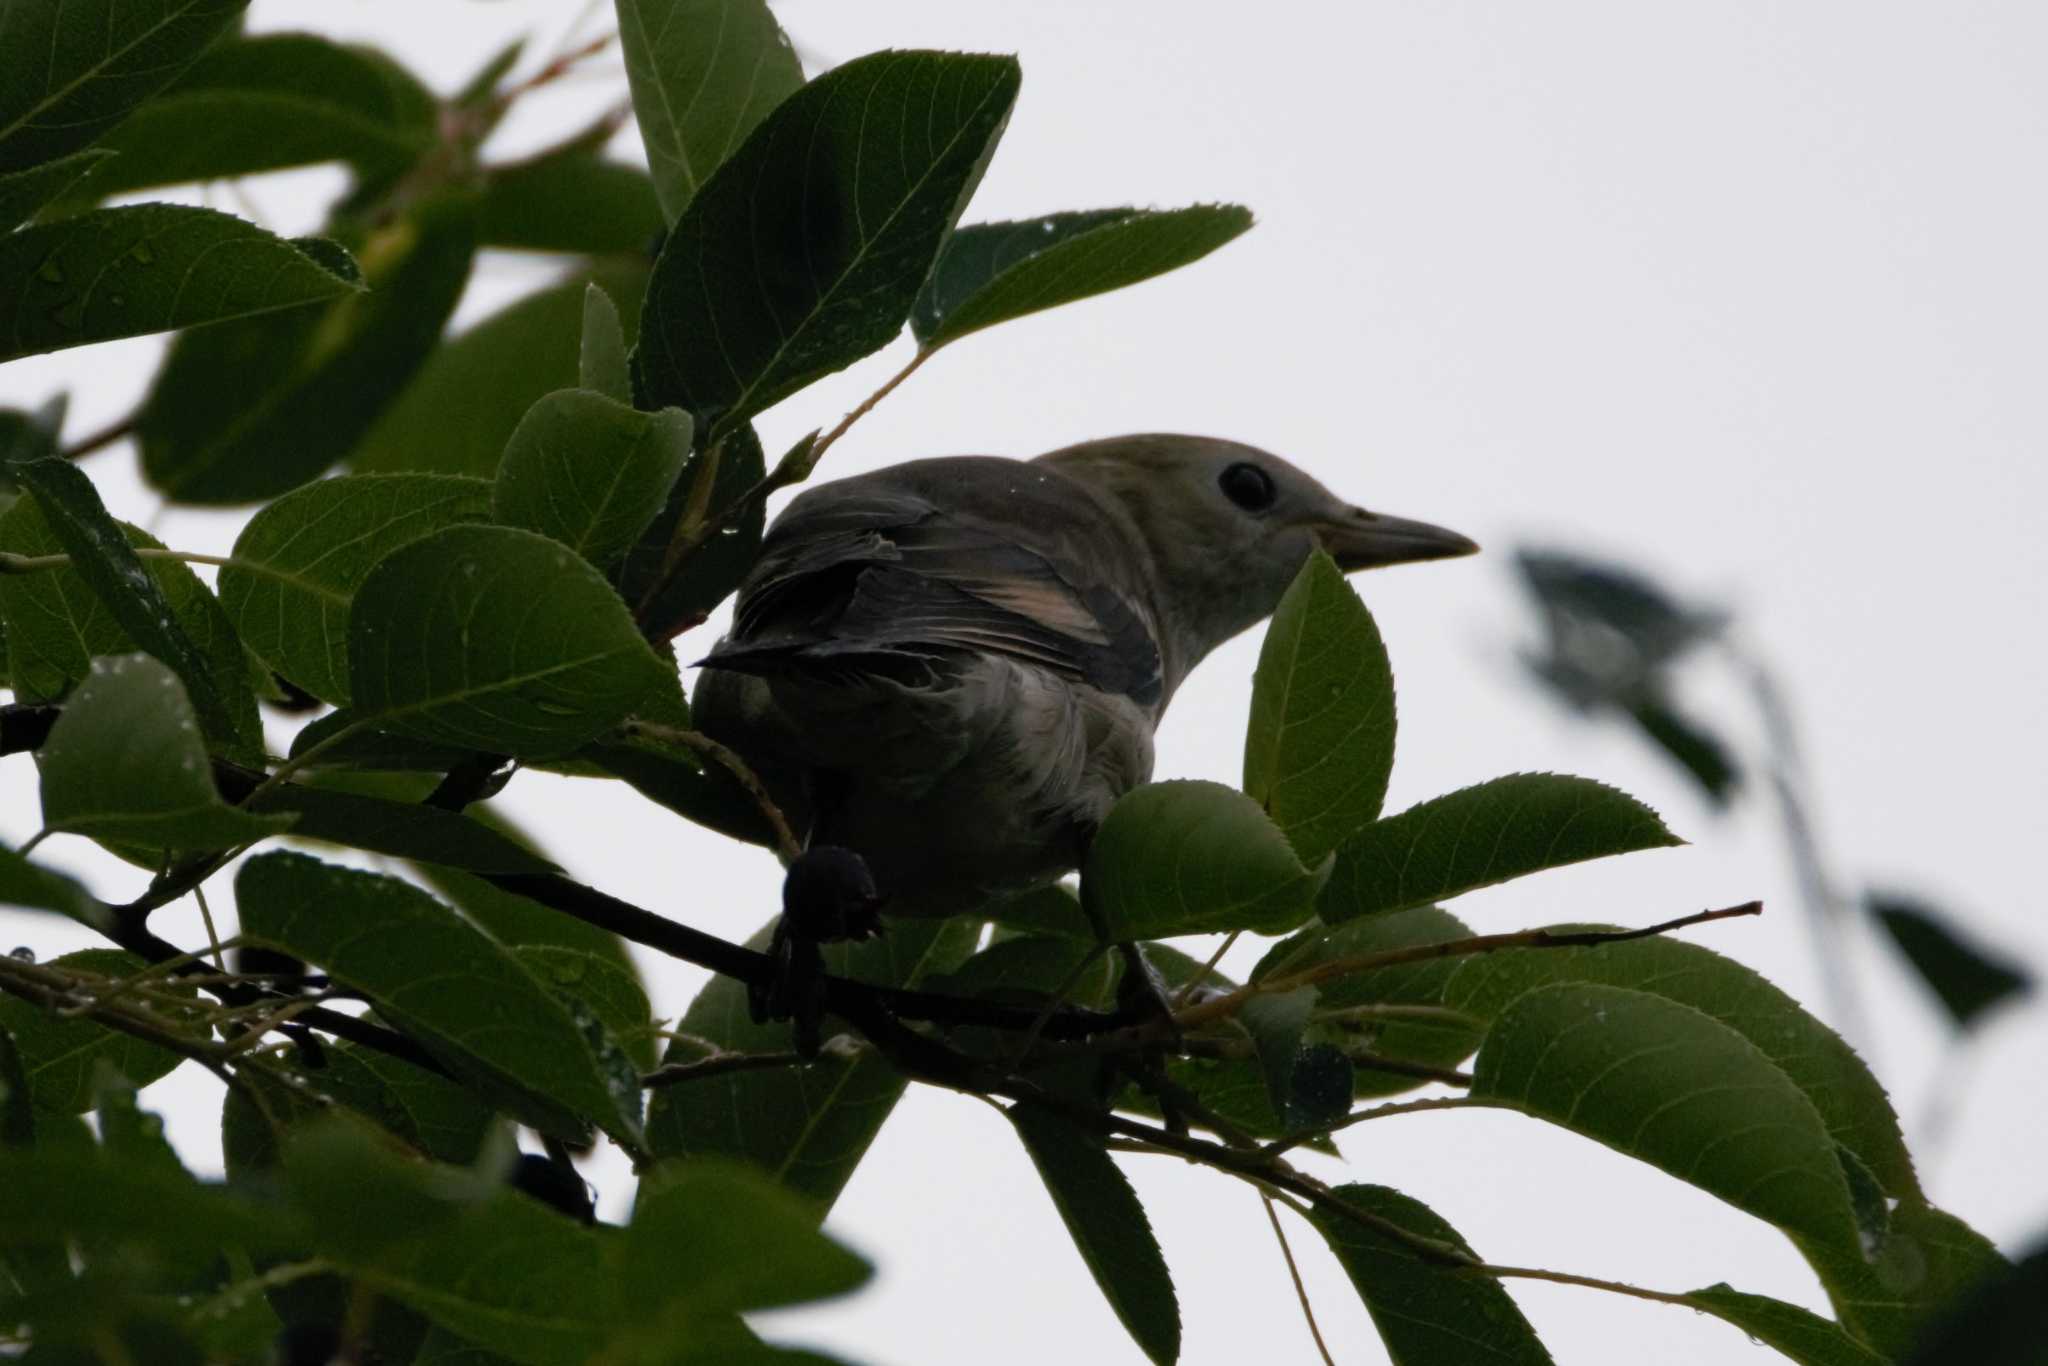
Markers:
{"x": 953, "y": 667}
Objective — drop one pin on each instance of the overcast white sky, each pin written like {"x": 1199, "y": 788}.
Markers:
{"x": 1748, "y": 293}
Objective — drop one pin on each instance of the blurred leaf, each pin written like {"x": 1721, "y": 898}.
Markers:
{"x": 668, "y": 603}
{"x": 1851, "y": 1102}
{"x": 67, "y": 76}
{"x": 1798, "y": 1334}
{"x": 45, "y": 1196}
{"x": 711, "y": 1238}
{"x": 460, "y": 409}
{"x": 1188, "y": 857}
{"x": 601, "y": 362}
{"x": 1671, "y": 1086}
{"x": 1928, "y": 1259}
{"x": 1320, "y": 744}
{"x": 807, "y": 1127}
{"x": 129, "y": 1135}
{"x": 804, "y": 252}
{"x": 1108, "y": 1226}
{"x": 125, "y": 763}
{"x": 450, "y": 987}
{"x": 147, "y": 268}
{"x": 1477, "y": 836}
{"x": 308, "y": 384}
{"x": 426, "y": 1111}
{"x": 58, "y": 625}
{"x": 590, "y": 471}
{"x": 17, "y": 1111}
{"x": 1611, "y": 622}
{"x": 2002, "y": 1320}
{"x": 1698, "y": 750}
{"x": 23, "y": 193}
{"x": 488, "y": 1264}
{"x": 992, "y": 272}
{"x": 534, "y": 675}
{"x": 30, "y": 886}
{"x": 1427, "y": 1315}
{"x": 400, "y": 829}
{"x": 1434, "y": 1043}
{"x": 60, "y": 1054}
{"x": 703, "y": 73}
{"x": 572, "y": 201}
{"x": 266, "y": 103}
{"x": 299, "y": 560}
{"x": 1968, "y": 980}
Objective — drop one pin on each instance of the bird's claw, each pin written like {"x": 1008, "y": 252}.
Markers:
{"x": 828, "y": 896}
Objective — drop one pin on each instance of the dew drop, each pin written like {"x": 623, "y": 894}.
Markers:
{"x": 51, "y": 272}
{"x": 22, "y": 953}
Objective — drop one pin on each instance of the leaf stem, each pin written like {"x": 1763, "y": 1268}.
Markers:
{"x": 11, "y": 563}
{"x": 1308, "y": 1311}
{"x": 786, "y": 842}
{"x": 1404, "y": 1107}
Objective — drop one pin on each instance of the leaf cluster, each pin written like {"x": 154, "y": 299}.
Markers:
{"x": 525, "y": 514}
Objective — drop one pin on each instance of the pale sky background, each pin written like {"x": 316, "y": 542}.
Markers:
{"x": 1748, "y": 293}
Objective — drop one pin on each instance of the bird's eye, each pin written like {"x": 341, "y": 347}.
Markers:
{"x": 1248, "y": 486}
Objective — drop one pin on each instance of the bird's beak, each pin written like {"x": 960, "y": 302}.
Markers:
{"x": 1367, "y": 540}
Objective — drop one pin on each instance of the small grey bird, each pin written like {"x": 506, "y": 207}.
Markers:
{"x": 953, "y": 667}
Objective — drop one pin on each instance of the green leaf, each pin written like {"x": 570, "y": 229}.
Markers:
{"x": 1320, "y": 745}
{"x": 298, "y": 562}
{"x": 125, "y": 763}
{"x": 685, "y": 784}
{"x": 1967, "y": 979}
{"x": 30, "y": 886}
{"x": 17, "y": 1110}
{"x": 400, "y": 829}
{"x": 426, "y": 1111}
{"x": 805, "y": 250}
{"x": 590, "y": 471}
{"x": 1427, "y": 1314}
{"x": 46, "y": 1196}
{"x": 574, "y": 201}
{"x": 2002, "y": 1319}
{"x": 601, "y": 363}
{"x": 268, "y": 102}
{"x": 1108, "y": 1226}
{"x": 501, "y": 1030}
{"x": 23, "y": 193}
{"x": 670, "y": 599}
{"x": 1928, "y": 1258}
{"x": 147, "y": 268}
{"x": 1053, "y": 909}
{"x": 703, "y": 73}
{"x": 480, "y": 1260}
{"x": 807, "y": 1127}
{"x": 1190, "y": 857}
{"x": 168, "y": 614}
{"x": 992, "y": 272}
{"x": 711, "y": 1238}
{"x": 60, "y": 1054}
{"x": 68, "y": 74}
{"x": 449, "y": 641}
{"x": 129, "y": 1135}
{"x": 1435, "y": 1043}
{"x": 346, "y": 742}
{"x": 1477, "y": 836}
{"x": 460, "y": 409}
{"x": 308, "y": 384}
{"x": 1851, "y": 1102}
{"x": 1671, "y": 1086}
{"x": 1798, "y": 1334}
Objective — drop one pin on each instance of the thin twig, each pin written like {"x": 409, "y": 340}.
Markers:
{"x": 1308, "y": 1311}
{"x": 1187, "y": 992}
{"x": 786, "y": 841}
{"x": 99, "y": 440}
{"x": 718, "y": 1065}
{"x": 1229, "y": 1004}
{"x": 1403, "y": 1107}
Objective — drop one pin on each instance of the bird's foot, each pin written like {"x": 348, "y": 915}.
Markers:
{"x": 828, "y": 896}
{"x": 1142, "y": 996}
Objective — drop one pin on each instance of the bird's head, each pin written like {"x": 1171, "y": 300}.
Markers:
{"x": 1228, "y": 526}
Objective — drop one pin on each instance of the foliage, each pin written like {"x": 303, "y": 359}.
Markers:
{"x": 533, "y": 508}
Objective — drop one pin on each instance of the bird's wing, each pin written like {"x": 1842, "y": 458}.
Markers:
{"x": 885, "y": 573}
